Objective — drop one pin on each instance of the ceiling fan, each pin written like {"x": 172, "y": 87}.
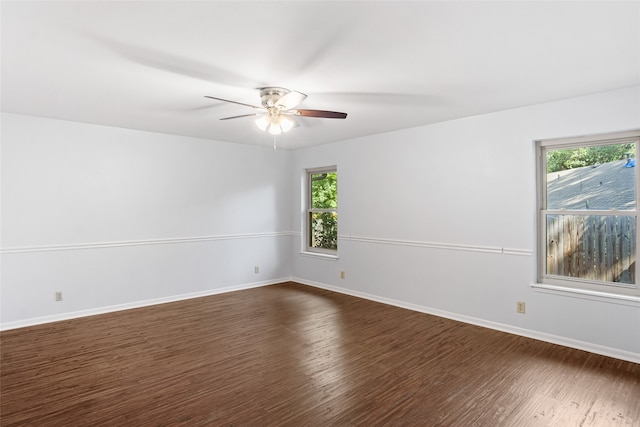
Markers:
{"x": 279, "y": 108}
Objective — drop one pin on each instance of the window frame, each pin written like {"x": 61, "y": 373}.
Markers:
{"x": 309, "y": 210}
{"x": 578, "y": 284}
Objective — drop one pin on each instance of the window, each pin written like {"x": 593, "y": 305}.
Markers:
{"x": 322, "y": 210}
{"x": 588, "y": 212}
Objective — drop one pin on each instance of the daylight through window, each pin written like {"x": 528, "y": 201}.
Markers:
{"x": 322, "y": 210}
{"x": 587, "y": 216}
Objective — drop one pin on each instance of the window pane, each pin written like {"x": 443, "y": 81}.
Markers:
{"x": 324, "y": 190}
{"x": 324, "y": 230}
{"x": 600, "y": 177}
{"x": 592, "y": 247}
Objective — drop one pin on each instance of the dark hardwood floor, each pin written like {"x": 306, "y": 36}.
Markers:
{"x": 294, "y": 355}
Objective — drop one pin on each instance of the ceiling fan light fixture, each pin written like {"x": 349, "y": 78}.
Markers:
{"x": 286, "y": 123}
{"x": 262, "y": 122}
{"x": 274, "y": 129}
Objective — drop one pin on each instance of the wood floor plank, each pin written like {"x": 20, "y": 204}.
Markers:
{"x": 292, "y": 355}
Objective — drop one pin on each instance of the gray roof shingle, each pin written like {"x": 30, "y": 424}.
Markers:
{"x": 605, "y": 186}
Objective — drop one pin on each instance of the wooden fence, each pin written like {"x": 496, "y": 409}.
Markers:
{"x": 592, "y": 247}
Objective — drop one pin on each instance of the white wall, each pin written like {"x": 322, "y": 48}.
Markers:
{"x": 437, "y": 218}
{"x": 441, "y": 218}
{"x": 117, "y": 218}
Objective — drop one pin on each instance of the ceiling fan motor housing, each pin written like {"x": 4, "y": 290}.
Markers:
{"x": 270, "y": 95}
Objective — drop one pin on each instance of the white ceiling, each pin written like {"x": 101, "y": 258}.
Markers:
{"x": 388, "y": 64}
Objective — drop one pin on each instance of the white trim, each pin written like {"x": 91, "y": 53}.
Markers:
{"x": 309, "y": 209}
{"x": 320, "y": 255}
{"x": 612, "y": 298}
{"x": 97, "y": 245}
{"x": 583, "y": 212}
{"x": 541, "y": 336}
{"x": 137, "y": 304}
{"x": 436, "y": 245}
{"x": 590, "y": 140}
{"x": 554, "y": 339}
{"x": 551, "y": 283}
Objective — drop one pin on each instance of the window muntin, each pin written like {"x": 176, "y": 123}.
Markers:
{"x": 587, "y": 212}
{"x": 322, "y": 210}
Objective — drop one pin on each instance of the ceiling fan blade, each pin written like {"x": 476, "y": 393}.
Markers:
{"x": 243, "y": 115}
{"x": 320, "y": 113}
{"x": 233, "y": 102}
{"x": 290, "y": 100}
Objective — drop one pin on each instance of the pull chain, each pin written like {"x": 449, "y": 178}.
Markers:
{"x": 274, "y": 143}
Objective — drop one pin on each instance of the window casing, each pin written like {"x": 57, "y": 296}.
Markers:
{"x": 322, "y": 210}
{"x": 588, "y": 214}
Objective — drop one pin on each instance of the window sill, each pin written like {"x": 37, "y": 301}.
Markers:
{"x": 611, "y": 298}
{"x": 328, "y": 257}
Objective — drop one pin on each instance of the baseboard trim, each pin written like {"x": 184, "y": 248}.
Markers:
{"x": 554, "y": 339}
{"x": 541, "y": 336}
{"x": 137, "y": 304}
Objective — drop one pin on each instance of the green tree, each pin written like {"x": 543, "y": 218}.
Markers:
{"x": 324, "y": 225}
{"x": 571, "y": 158}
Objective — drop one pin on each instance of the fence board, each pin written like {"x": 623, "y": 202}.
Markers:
{"x": 592, "y": 247}
{"x": 552, "y": 245}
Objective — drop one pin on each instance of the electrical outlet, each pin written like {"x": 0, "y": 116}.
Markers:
{"x": 520, "y": 307}
{"x": 256, "y": 269}
{"x": 58, "y": 295}
{"x": 342, "y": 274}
